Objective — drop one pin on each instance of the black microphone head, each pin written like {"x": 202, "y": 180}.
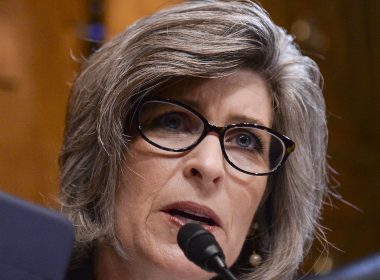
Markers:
{"x": 199, "y": 245}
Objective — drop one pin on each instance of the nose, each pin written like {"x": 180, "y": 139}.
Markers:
{"x": 205, "y": 163}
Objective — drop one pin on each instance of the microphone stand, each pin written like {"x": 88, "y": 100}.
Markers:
{"x": 217, "y": 265}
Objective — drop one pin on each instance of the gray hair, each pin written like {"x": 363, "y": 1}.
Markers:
{"x": 202, "y": 39}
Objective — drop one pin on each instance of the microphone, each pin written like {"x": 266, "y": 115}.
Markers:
{"x": 201, "y": 247}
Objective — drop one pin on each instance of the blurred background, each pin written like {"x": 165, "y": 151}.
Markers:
{"x": 42, "y": 44}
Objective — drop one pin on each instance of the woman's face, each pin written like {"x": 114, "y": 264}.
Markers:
{"x": 200, "y": 181}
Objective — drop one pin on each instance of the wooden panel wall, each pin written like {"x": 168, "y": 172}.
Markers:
{"x": 342, "y": 36}
{"x": 121, "y": 13}
{"x": 35, "y": 69}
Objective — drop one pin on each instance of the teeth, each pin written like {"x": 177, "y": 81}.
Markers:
{"x": 191, "y": 217}
{"x": 195, "y": 214}
{"x": 187, "y": 221}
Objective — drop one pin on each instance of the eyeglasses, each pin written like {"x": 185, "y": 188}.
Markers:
{"x": 250, "y": 148}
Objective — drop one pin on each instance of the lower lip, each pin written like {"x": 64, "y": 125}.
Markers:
{"x": 179, "y": 222}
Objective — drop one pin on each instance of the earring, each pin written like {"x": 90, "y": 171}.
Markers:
{"x": 255, "y": 259}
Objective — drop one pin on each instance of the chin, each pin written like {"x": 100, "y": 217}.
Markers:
{"x": 170, "y": 263}
{"x": 161, "y": 253}
{"x": 181, "y": 268}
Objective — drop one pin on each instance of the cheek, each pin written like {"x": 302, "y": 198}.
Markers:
{"x": 144, "y": 175}
{"x": 146, "y": 164}
{"x": 135, "y": 197}
{"x": 247, "y": 198}
{"x": 245, "y": 201}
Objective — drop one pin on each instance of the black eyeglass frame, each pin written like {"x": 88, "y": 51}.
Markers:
{"x": 219, "y": 130}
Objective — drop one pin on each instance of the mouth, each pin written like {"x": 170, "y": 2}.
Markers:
{"x": 181, "y": 213}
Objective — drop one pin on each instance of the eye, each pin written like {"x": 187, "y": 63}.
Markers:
{"x": 175, "y": 122}
{"x": 171, "y": 121}
{"x": 244, "y": 139}
{"x": 168, "y": 119}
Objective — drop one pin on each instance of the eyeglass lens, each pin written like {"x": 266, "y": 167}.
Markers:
{"x": 174, "y": 127}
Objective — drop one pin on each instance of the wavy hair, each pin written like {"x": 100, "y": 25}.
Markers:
{"x": 198, "y": 39}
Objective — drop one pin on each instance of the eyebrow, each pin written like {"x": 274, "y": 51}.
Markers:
{"x": 192, "y": 103}
{"x": 234, "y": 119}
{"x": 244, "y": 119}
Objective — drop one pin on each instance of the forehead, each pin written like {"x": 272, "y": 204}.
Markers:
{"x": 241, "y": 97}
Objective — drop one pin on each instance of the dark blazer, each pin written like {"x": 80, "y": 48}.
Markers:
{"x": 83, "y": 273}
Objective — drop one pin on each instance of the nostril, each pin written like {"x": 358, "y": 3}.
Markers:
{"x": 195, "y": 172}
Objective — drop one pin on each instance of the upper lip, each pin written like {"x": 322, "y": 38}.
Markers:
{"x": 194, "y": 208}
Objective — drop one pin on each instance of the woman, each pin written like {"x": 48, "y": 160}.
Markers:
{"x": 181, "y": 118}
